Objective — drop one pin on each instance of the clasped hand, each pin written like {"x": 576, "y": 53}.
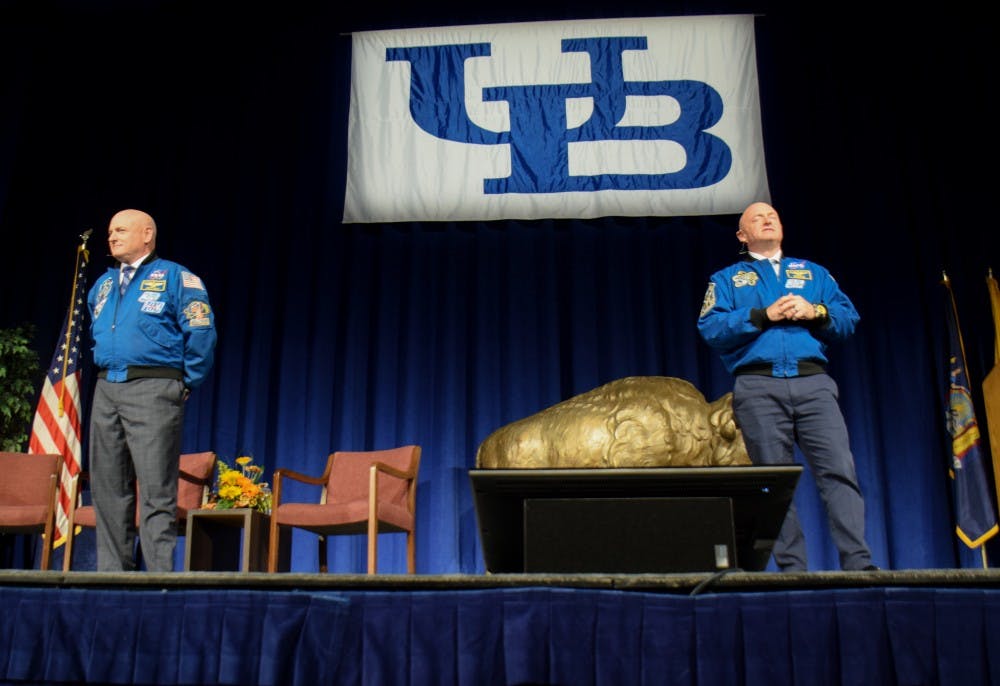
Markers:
{"x": 791, "y": 307}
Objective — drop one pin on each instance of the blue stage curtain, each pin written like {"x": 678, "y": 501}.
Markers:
{"x": 368, "y": 336}
{"x": 169, "y": 637}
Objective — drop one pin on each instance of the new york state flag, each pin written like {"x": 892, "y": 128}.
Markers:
{"x": 574, "y": 119}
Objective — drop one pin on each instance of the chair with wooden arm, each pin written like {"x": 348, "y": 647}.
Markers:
{"x": 28, "y": 490}
{"x": 194, "y": 482}
{"x": 368, "y": 492}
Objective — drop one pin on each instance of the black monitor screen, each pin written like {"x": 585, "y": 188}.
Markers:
{"x": 760, "y": 497}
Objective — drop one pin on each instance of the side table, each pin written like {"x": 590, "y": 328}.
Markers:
{"x": 230, "y": 540}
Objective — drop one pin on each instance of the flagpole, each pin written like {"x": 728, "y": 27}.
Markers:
{"x": 958, "y": 325}
{"x": 81, "y": 254}
{"x": 995, "y": 310}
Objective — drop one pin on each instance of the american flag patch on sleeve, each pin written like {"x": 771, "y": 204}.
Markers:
{"x": 191, "y": 281}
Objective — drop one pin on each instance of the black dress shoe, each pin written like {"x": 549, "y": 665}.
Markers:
{"x": 870, "y": 568}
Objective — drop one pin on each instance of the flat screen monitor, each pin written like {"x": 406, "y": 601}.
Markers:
{"x": 759, "y": 497}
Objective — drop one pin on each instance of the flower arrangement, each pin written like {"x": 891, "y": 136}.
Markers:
{"x": 240, "y": 487}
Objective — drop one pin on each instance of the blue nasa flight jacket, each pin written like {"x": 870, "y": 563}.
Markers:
{"x": 733, "y": 320}
{"x": 163, "y": 320}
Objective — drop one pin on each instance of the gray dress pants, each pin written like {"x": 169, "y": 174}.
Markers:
{"x": 135, "y": 434}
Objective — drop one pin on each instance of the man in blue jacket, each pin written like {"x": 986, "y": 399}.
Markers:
{"x": 771, "y": 317}
{"x": 153, "y": 341}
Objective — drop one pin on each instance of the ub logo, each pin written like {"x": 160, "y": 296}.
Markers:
{"x": 539, "y": 150}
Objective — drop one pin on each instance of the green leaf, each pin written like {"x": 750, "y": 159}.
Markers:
{"x": 20, "y": 378}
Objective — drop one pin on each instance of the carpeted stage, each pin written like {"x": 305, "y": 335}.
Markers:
{"x": 699, "y": 583}
{"x": 884, "y": 627}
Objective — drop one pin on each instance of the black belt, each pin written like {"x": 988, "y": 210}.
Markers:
{"x": 806, "y": 368}
{"x": 140, "y": 372}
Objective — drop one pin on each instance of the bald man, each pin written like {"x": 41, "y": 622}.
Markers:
{"x": 153, "y": 341}
{"x": 771, "y": 318}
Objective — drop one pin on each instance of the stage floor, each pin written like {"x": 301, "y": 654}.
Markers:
{"x": 681, "y": 584}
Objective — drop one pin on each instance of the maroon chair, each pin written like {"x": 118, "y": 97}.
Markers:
{"x": 193, "y": 486}
{"x": 368, "y": 492}
{"x": 28, "y": 491}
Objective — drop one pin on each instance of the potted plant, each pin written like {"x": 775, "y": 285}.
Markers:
{"x": 18, "y": 377}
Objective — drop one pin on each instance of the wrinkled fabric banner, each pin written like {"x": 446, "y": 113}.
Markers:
{"x": 574, "y": 119}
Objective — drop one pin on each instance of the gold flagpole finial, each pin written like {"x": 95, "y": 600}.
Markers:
{"x": 84, "y": 237}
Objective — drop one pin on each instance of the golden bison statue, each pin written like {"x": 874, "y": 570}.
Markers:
{"x": 638, "y": 421}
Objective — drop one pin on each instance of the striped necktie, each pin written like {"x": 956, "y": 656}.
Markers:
{"x": 127, "y": 272}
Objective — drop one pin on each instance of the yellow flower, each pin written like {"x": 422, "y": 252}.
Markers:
{"x": 229, "y": 478}
{"x": 240, "y": 487}
{"x": 230, "y": 492}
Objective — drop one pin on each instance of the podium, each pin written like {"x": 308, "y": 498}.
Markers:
{"x": 633, "y": 521}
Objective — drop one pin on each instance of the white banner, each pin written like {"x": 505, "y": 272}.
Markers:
{"x": 572, "y": 119}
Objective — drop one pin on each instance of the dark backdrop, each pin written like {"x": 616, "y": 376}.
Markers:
{"x": 228, "y": 124}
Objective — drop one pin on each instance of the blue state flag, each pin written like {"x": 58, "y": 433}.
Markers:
{"x": 975, "y": 516}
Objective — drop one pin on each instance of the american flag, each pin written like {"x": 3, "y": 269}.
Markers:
{"x": 56, "y": 428}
